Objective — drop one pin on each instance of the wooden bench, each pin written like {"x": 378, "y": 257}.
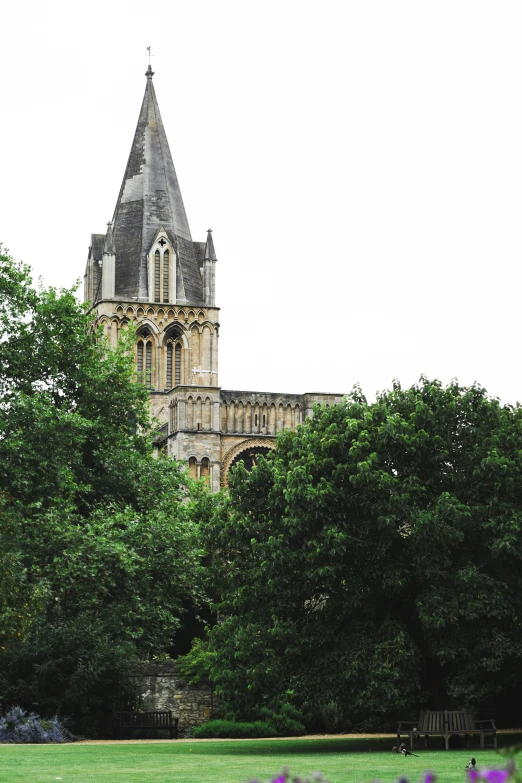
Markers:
{"x": 445, "y": 723}
{"x": 123, "y": 721}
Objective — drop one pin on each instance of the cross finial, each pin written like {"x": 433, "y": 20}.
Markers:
{"x": 149, "y": 73}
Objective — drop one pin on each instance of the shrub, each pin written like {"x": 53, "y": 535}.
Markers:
{"x": 286, "y": 720}
{"x": 16, "y": 726}
{"x": 331, "y": 715}
{"x": 215, "y": 729}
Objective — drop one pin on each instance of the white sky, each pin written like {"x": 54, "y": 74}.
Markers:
{"x": 359, "y": 162}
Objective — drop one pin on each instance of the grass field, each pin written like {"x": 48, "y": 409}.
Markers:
{"x": 341, "y": 760}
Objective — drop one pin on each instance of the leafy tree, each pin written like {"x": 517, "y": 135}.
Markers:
{"x": 99, "y": 556}
{"x": 374, "y": 564}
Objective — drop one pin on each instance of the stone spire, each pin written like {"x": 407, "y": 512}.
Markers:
{"x": 108, "y": 259}
{"x": 108, "y": 246}
{"x": 149, "y": 198}
{"x": 209, "y": 270}
{"x": 210, "y": 253}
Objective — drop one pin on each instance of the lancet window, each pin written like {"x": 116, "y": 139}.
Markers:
{"x": 166, "y": 270}
{"x": 205, "y": 470}
{"x": 157, "y": 276}
{"x": 144, "y": 357}
{"x": 173, "y": 359}
{"x": 161, "y": 272}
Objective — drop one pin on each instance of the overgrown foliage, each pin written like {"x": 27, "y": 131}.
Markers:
{"x": 216, "y": 729}
{"x": 283, "y": 722}
{"x": 17, "y": 727}
{"x": 374, "y": 564}
{"x": 98, "y": 553}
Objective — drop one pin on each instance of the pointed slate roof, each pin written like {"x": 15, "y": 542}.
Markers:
{"x": 150, "y": 197}
{"x": 210, "y": 253}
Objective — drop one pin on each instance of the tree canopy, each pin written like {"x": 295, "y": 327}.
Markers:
{"x": 98, "y": 549}
{"x": 374, "y": 563}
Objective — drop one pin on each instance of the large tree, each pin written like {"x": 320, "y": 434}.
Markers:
{"x": 374, "y": 563}
{"x": 98, "y": 553}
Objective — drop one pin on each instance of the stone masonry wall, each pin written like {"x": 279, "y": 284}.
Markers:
{"x": 162, "y": 688}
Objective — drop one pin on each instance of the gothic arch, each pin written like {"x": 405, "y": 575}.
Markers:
{"x": 146, "y": 323}
{"x": 145, "y": 355}
{"x": 161, "y": 269}
{"x": 246, "y": 444}
{"x": 174, "y": 332}
{"x": 173, "y": 351}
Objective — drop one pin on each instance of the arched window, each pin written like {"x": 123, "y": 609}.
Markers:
{"x": 148, "y": 364}
{"x": 166, "y": 262}
{"x": 173, "y": 347}
{"x": 178, "y": 363}
{"x": 162, "y": 271}
{"x": 205, "y": 470}
{"x": 193, "y": 468}
{"x": 140, "y": 358}
{"x": 144, "y": 353}
{"x": 173, "y": 352}
{"x": 157, "y": 276}
{"x": 169, "y": 366}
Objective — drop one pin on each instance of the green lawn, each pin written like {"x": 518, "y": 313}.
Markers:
{"x": 341, "y": 760}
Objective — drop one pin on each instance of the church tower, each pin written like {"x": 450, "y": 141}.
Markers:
{"x": 147, "y": 270}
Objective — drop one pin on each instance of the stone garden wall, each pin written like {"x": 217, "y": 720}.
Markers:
{"x": 162, "y": 688}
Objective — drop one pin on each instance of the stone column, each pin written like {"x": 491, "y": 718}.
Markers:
{"x": 216, "y": 425}
{"x": 182, "y": 414}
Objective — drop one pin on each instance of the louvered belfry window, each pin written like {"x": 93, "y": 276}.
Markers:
{"x": 148, "y": 364}
{"x": 140, "y": 359}
{"x": 178, "y": 364}
{"x": 157, "y": 276}
{"x": 166, "y": 263}
{"x": 169, "y": 366}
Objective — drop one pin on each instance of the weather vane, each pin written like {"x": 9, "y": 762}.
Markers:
{"x": 149, "y": 54}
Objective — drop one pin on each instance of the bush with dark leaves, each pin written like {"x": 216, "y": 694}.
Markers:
{"x": 214, "y": 729}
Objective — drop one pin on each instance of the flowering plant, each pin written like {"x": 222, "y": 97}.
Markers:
{"x": 16, "y": 726}
{"x": 506, "y": 775}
